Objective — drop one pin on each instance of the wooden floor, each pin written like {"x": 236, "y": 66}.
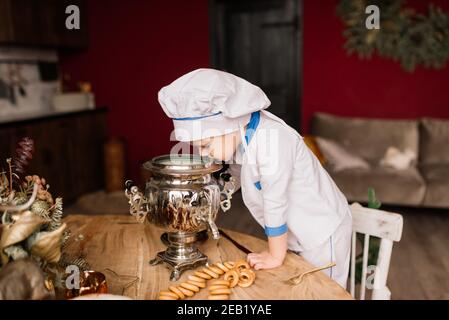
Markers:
{"x": 420, "y": 263}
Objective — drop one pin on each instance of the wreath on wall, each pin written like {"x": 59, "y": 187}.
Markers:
{"x": 411, "y": 38}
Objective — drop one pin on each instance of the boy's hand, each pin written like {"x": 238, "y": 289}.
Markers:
{"x": 264, "y": 260}
{"x": 274, "y": 257}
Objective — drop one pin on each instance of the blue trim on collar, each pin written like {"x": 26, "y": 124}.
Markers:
{"x": 196, "y": 118}
{"x": 252, "y": 126}
{"x": 277, "y": 231}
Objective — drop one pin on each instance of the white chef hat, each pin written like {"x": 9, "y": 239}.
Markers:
{"x": 206, "y": 102}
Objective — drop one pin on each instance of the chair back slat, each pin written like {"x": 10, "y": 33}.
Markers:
{"x": 380, "y": 291}
{"x": 364, "y": 266}
{"x": 352, "y": 277}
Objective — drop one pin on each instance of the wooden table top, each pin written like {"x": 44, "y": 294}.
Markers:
{"x": 121, "y": 248}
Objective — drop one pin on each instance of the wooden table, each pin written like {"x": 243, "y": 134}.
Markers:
{"x": 120, "y": 247}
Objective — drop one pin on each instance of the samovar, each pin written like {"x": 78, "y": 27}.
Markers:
{"x": 183, "y": 198}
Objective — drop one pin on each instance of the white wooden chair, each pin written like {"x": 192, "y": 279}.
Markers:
{"x": 378, "y": 223}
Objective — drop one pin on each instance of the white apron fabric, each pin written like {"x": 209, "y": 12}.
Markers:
{"x": 336, "y": 249}
{"x": 287, "y": 190}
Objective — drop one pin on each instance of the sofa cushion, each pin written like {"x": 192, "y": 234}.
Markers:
{"x": 437, "y": 190}
{"x": 434, "y": 138}
{"x": 397, "y": 187}
{"x": 368, "y": 138}
{"x": 338, "y": 157}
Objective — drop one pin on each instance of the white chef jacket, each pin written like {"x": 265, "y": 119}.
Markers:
{"x": 284, "y": 185}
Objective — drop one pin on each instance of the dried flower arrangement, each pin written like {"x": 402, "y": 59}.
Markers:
{"x": 31, "y": 220}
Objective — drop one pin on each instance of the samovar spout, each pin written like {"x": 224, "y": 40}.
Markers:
{"x": 213, "y": 228}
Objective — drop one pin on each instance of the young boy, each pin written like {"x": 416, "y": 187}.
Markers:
{"x": 283, "y": 184}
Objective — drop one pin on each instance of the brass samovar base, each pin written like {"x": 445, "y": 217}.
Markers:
{"x": 182, "y": 253}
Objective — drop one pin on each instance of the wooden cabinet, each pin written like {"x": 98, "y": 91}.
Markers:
{"x": 69, "y": 150}
{"x": 41, "y": 23}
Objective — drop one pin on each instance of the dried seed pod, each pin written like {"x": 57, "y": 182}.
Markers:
{"x": 56, "y": 216}
{"x": 23, "y": 155}
{"x": 40, "y": 208}
{"x": 25, "y": 225}
{"x": 47, "y": 245}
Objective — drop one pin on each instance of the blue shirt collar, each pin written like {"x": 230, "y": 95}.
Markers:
{"x": 252, "y": 126}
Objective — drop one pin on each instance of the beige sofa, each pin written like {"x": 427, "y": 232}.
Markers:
{"x": 425, "y": 183}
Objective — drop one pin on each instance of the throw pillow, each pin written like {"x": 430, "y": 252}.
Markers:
{"x": 338, "y": 157}
{"x": 394, "y": 158}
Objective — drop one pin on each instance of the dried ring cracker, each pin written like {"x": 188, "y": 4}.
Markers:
{"x": 203, "y": 275}
{"x": 188, "y": 293}
{"x": 176, "y": 291}
{"x": 233, "y": 277}
{"x": 198, "y": 284}
{"x": 241, "y": 264}
{"x": 217, "y": 286}
{"x": 168, "y": 294}
{"x": 167, "y": 298}
{"x": 219, "y": 297}
{"x": 195, "y": 278}
{"x": 220, "y": 282}
{"x": 222, "y": 267}
{"x": 216, "y": 270}
{"x": 220, "y": 291}
{"x": 190, "y": 287}
{"x": 211, "y": 273}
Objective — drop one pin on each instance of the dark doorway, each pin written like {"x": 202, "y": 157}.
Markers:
{"x": 260, "y": 41}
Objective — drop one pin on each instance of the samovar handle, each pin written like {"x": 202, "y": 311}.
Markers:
{"x": 137, "y": 201}
{"x": 227, "y": 191}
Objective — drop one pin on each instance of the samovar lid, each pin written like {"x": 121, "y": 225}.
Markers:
{"x": 181, "y": 164}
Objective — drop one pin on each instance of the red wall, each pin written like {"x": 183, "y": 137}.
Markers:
{"x": 348, "y": 86}
{"x": 139, "y": 46}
